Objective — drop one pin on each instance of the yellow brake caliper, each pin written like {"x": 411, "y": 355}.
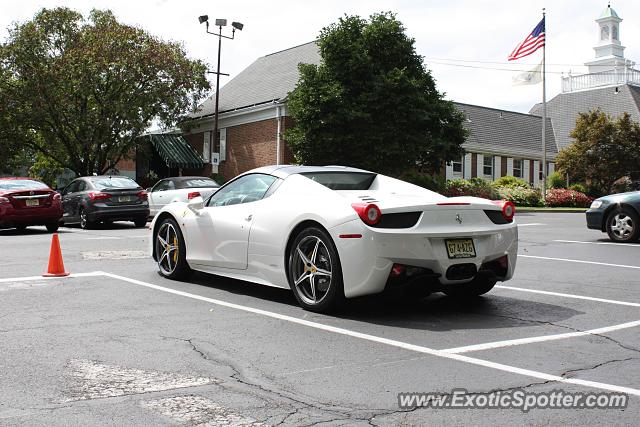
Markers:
{"x": 175, "y": 252}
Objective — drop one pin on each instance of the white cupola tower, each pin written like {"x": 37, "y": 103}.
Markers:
{"x": 609, "y": 51}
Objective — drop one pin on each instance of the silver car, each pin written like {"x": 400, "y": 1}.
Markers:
{"x": 179, "y": 189}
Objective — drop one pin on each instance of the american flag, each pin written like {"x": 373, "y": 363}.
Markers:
{"x": 533, "y": 42}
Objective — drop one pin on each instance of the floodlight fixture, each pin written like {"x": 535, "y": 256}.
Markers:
{"x": 221, "y": 22}
{"x": 237, "y": 25}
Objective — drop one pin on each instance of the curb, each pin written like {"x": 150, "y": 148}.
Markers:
{"x": 550, "y": 210}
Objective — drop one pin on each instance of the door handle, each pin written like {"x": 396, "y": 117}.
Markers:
{"x": 249, "y": 218}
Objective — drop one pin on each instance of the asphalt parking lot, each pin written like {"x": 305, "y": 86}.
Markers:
{"x": 116, "y": 344}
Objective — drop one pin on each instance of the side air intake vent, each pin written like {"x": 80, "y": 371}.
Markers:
{"x": 368, "y": 199}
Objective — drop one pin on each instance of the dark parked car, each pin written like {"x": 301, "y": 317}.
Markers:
{"x": 618, "y": 215}
{"x": 25, "y": 202}
{"x": 94, "y": 199}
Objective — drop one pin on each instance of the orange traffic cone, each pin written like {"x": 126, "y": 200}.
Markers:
{"x": 56, "y": 266}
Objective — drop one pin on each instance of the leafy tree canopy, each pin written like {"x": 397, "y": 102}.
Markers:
{"x": 79, "y": 91}
{"x": 371, "y": 103}
{"x": 605, "y": 150}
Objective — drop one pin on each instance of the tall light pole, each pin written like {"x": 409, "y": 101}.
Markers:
{"x": 219, "y": 23}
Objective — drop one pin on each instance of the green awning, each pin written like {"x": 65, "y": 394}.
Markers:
{"x": 176, "y": 151}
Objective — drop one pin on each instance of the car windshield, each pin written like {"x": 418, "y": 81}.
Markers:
{"x": 199, "y": 183}
{"x": 21, "y": 184}
{"x": 342, "y": 180}
{"x": 114, "y": 182}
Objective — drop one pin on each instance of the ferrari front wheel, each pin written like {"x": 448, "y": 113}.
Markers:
{"x": 315, "y": 275}
{"x": 170, "y": 250}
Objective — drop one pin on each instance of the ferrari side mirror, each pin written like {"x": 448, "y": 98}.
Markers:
{"x": 196, "y": 205}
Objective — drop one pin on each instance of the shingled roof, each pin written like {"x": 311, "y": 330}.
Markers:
{"x": 268, "y": 79}
{"x": 563, "y": 109}
{"x": 506, "y": 132}
{"x": 271, "y": 78}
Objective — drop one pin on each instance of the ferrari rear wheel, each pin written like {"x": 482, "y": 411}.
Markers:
{"x": 171, "y": 250}
{"x": 315, "y": 275}
{"x": 476, "y": 287}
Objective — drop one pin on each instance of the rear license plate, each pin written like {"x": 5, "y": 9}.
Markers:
{"x": 460, "y": 248}
{"x": 32, "y": 202}
{"x": 124, "y": 199}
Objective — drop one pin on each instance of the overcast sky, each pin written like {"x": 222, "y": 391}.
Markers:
{"x": 446, "y": 32}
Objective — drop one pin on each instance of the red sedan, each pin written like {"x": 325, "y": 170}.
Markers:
{"x": 25, "y": 202}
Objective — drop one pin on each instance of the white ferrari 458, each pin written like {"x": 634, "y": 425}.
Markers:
{"x": 330, "y": 233}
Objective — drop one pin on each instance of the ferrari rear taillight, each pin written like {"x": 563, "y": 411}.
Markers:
{"x": 57, "y": 197}
{"x": 193, "y": 195}
{"x": 507, "y": 207}
{"x": 97, "y": 195}
{"x": 368, "y": 212}
{"x": 142, "y": 195}
{"x": 4, "y": 200}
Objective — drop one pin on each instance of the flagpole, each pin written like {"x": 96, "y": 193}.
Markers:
{"x": 544, "y": 112}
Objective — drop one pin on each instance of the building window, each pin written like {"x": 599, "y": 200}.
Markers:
{"x": 517, "y": 168}
{"x": 487, "y": 166}
{"x": 457, "y": 165}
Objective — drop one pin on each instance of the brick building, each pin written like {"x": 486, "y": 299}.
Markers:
{"x": 253, "y": 117}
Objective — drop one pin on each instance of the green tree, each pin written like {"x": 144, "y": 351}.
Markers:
{"x": 79, "y": 91}
{"x": 371, "y": 103}
{"x": 604, "y": 150}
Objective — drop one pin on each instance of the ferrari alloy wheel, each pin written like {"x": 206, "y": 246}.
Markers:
{"x": 623, "y": 226}
{"x": 170, "y": 250}
{"x": 314, "y": 271}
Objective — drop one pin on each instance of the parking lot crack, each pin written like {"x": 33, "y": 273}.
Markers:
{"x": 566, "y": 374}
{"x": 540, "y": 322}
{"x": 283, "y": 399}
{"x": 618, "y": 343}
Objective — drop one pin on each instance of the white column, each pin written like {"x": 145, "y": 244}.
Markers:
{"x": 448, "y": 171}
{"x": 479, "y": 165}
{"x": 525, "y": 170}
{"x": 223, "y": 144}
{"x": 497, "y": 167}
{"x": 467, "y": 166}
{"x": 536, "y": 173}
{"x": 509, "y": 166}
{"x": 206, "y": 147}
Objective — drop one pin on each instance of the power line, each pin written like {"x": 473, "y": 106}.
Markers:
{"x": 496, "y": 62}
{"x": 490, "y": 68}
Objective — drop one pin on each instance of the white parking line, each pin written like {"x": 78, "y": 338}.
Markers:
{"x": 531, "y": 223}
{"x": 387, "y": 341}
{"x": 367, "y": 337}
{"x": 560, "y": 294}
{"x": 580, "y": 261}
{"x": 599, "y": 243}
{"x": 521, "y": 341}
{"x": 30, "y": 278}
{"x": 103, "y": 238}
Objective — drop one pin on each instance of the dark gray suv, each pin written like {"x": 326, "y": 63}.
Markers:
{"x": 92, "y": 199}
